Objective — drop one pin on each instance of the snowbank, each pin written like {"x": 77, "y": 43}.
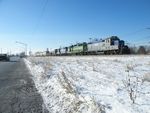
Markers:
{"x": 92, "y": 84}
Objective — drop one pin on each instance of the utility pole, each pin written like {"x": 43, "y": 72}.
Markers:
{"x": 24, "y": 44}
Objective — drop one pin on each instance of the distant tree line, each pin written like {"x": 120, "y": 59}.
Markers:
{"x": 140, "y": 49}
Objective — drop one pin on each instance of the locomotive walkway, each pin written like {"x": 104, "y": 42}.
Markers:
{"x": 17, "y": 90}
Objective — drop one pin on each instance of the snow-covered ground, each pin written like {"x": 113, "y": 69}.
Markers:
{"x": 93, "y": 84}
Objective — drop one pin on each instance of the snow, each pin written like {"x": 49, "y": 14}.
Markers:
{"x": 92, "y": 84}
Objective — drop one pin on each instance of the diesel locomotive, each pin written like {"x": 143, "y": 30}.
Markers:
{"x": 111, "y": 45}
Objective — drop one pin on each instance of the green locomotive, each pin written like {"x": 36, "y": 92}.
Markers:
{"x": 78, "y": 49}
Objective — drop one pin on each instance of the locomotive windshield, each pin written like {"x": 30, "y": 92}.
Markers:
{"x": 114, "y": 40}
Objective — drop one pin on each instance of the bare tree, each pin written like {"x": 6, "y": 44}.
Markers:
{"x": 148, "y": 49}
{"x": 133, "y": 50}
{"x": 141, "y": 50}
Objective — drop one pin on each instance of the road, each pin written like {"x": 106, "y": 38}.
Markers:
{"x": 17, "y": 90}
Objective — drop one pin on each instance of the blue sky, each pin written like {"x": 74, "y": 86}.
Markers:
{"x": 53, "y": 23}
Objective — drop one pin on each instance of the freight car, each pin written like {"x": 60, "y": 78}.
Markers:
{"x": 111, "y": 45}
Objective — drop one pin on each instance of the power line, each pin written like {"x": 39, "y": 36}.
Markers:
{"x": 139, "y": 39}
{"x": 134, "y": 32}
{"x": 142, "y": 41}
{"x": 41, "y": 16}
{"x": 147, "y": 37}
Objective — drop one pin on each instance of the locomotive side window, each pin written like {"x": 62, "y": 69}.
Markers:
{"x": 114, "y": 42}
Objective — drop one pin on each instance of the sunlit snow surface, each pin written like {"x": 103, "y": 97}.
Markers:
{"x": 91, "y": 84}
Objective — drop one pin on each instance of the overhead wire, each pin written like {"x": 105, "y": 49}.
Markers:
{"x": 40, "y": 16}
{"x": 139, "y": 40}
{"x": 134, "y": 32}
{"x": 44, "y": 4}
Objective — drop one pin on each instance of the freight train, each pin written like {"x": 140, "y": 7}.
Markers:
{"x": 111, "y": 45}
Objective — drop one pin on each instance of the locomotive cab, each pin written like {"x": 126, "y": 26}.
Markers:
{"x": 113, "y": 45}
{"x": 114, "y": 40}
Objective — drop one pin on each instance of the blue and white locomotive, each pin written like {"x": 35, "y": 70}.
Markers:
{"x": 111, "y": 45}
